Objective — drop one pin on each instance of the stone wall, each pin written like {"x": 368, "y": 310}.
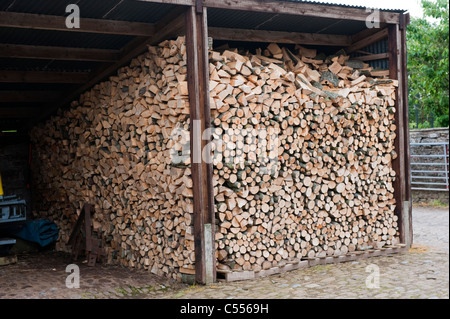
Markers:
{"x": 433, "y": 135}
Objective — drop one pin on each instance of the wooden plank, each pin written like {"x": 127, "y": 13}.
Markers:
{"x": 364, "y": 42}
{"x": 404, "y": 84}
{"x": 19, "y": 112}
{"x": 367, "y": 33}
{"x": 278, "y": 37}
{"x": 239, "y": 276}
{"x": 57, "y": 53}
{"x": 175, "y": 2}
{"x": 8, "y": 260}
{"x": 28, "y": 96}
{"x": 301, "y": 8}
{"x": 398, "y": 164}
{"x": 58, "y": 23}
{"x": 372, "y": 57}
{"x": 198, "y": 86}
{"x": 42, "y": 77}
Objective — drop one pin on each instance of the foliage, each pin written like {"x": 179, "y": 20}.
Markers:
{"x": 428, "y": 62}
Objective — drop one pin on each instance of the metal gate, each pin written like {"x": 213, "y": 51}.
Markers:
{"x": 431, "y": 171}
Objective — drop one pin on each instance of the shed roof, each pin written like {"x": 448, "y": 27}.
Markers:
{"x": 44, "y": 65}
{"x": 341, "y": 3}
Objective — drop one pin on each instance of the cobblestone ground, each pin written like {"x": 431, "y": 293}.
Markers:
{"x": 423, "y": 272}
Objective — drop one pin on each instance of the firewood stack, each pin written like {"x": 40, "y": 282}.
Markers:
{"x": 117, "y": 148}
{"x": 303, "y": 156}
{"x": 303, "y": 150}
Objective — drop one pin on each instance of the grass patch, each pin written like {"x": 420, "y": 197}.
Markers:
{"x": 435, "y": 203}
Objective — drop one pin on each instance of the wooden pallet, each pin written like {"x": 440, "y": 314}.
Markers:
{"x": 8, "y": 260}
{"x": 230, "y": 276}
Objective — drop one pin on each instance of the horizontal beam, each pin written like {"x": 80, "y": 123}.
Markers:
{"x": 175, "y": 2}
{"x": 373, "y": 38}
{"x": 301, "y": 8}
{"x": 372, "y": 57}
{"x": 42, "y": 77}
{"x": 57, "y": 53}
{"x": 278, "y": 37}
{"x": 58, "y": 23}
{"x": 366, "y": 41}
{"x": 29, "y": 96}
{"x": 19, "y": 112}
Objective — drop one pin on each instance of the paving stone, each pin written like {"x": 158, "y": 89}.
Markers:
{"x": 422, "y": 272}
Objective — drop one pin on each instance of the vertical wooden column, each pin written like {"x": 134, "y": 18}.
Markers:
{"x": 404, "y": 22}
{"x": 396, "y": 72}
{"x": 200, "y": 120}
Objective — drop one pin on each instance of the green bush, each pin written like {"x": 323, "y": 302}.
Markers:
{"x": 442, "y": 121}
{"x": 425, "y": 124}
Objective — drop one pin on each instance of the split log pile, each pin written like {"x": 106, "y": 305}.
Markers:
{"x": 303, "y": 155}
{"x": 303, "y": 150}
{"x": 117, "y": 147}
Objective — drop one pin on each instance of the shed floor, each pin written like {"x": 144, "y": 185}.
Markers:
{"x": 43, "y": 275}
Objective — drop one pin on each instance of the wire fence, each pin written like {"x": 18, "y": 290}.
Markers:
{"x": 430, "y": 166}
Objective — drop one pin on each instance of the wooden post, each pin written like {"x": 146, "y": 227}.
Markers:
{"x": 200, "y": 120}
{"x": 404, "y": 22}
{"x": 396, "y": 72}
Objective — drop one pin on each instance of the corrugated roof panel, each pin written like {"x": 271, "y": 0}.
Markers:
{"x": 126, "y": 10}
{"x": 49, "y": 7}
{"x": 5, "y": 4}
{"x": 376, "y": 48}
{"x": 139, "y": 11}
{"x": 281, "y": 22}
{"x": 341, "y": 3}
{"x": 96, "y": 9}
{"x": 62, "y": 38}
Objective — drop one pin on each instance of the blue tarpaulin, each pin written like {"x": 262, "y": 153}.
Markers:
{"x": 39, "y": 231}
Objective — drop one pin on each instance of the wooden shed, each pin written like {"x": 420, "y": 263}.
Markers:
{"x": 106, "y": 106}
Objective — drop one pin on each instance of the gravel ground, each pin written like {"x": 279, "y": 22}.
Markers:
{"x": 431, "y": 227}
{"x": 421, "y": 273}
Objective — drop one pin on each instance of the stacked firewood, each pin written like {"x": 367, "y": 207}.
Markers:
{"x": 303, "y": 155}
{"x": 122, "y": 148}
{"x": 303, "y": 145}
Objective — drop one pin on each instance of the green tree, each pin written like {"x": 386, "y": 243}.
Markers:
{"x": 428, "y": 54}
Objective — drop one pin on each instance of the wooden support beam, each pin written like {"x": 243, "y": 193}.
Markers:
{"x": 366, "y": 41}
{"x": 301, "y": 8}
{"x": 367, "y": 33}
{"x": 42, "y": 77}
{"x": 58, "y": 23}
{"x": 372, "y": 57}
{"x": 200, "y": 117}
{"x": 398, "y": 164}
{"x": 19, "y": 112}
{"x": 57, "y": 53}
{"x": 404, "y": 70}
{"x": 278, "y": 37}
{"x": 28, "y": 96}
{"x": 176, "y": 2}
